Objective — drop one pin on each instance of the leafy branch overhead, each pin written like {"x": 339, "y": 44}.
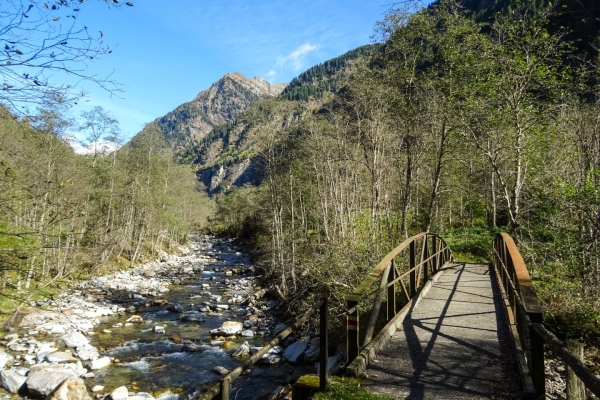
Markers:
{"x": 42, "y": 43}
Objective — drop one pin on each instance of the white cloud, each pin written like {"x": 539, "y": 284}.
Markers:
{"x": 296, "y": 57}
{"x": 270, "y": 77}
{"x": 102, "y": 148}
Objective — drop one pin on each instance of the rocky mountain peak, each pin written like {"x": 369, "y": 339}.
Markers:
{"x": 230, "y": 95}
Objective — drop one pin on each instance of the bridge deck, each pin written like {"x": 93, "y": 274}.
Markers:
{"x": 454, "y": 344}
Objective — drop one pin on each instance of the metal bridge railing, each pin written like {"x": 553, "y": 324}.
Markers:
{"x": 525, "y": 314}
{"x": 427, "y": 254}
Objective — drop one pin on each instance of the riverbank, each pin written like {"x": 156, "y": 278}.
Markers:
{"x": 163, "y": 327}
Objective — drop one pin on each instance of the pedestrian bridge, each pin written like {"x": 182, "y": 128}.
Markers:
{"x": 463, "y": 330}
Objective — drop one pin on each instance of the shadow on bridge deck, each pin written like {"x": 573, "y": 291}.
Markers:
{"x": 454, "y": 344}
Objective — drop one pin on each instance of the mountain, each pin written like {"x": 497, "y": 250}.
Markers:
{"x": 220, "y": 130}
{"x": 325, "y": 77}
{"x": 228, "y": 154}
{"x": 577, "y": 20}
{"x": 190, "y": 122}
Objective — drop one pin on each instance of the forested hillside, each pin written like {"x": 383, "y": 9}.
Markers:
{"x": 325, "y": 77}
{"x": 65, "y": 215}
{"x": 460, "y": 127}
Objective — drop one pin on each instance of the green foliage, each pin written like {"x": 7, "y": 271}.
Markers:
{"x": 63, "y": 214}
{"x": 472, "y": 244}
{"x": 346, "y": 389}
{"x": 324, "y": 77}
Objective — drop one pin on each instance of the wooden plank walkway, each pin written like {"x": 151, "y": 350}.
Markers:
{"x": 454, "y": 344}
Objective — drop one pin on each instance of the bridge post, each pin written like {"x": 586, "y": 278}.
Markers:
{"x": 434, "y": 259}
{"x": 352, "y": 331}
{"x": 391, "y": 292}
{"x": 425, "y": 266}
{"x": 538, "y": 375}
{"x": 323, "y": 345}
{"x": 413, "y": 273}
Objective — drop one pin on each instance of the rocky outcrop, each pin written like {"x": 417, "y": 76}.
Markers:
{"x": 192, "y": 121}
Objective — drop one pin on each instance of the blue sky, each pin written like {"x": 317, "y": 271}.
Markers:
{"x": 166, "y": 52}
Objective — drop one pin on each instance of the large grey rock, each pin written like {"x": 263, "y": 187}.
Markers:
{"x": 61, "y": 357}
{"x": 12, "y": 381}
{"x": 42, "y": 383}
{"x": 5, "y": 358}
{"x": 242, "y": 351}
{"x": 87, "y": 352}
{"x": 311, "y": 354}
{"x": 229, "y": 328}
{"x": 295, "y": 351}
{"x": 71, "y": 389}
{"x": 120, "y": 393}
{"x": 74, "y": 339}
{"x": 334, "y": 364}
{"x": 99, "y": 363}
{"x": 192, "y": 316}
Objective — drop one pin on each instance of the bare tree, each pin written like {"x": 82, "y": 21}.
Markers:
{"x": 42, "y": 43}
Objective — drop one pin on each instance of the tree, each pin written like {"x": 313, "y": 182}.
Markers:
{"x": 40, "y": 40}
{"x": 100, "y": 127}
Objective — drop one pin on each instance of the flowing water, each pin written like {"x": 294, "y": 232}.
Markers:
{"x": 155, "y": 362}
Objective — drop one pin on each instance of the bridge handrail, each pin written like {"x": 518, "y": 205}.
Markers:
{"x": 388, "y": 273}
{"x": 525, "y": 312}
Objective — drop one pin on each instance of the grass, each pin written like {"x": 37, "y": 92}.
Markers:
{"x": 343, "y": 388}
{"x": 473, "y": 245}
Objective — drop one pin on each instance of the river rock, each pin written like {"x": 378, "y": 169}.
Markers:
{"x": 159, "y": 329}
{"x": 74, "y": 339}
{"x": 12, "y": 381}
{"x": 242, "y": 351}
{"x": 192, "y": 316}
{"x": 87, "y": 352}
{"x": 229, "y": 328}
{"x": 175, "y": 308}
{"x": 295, "y": 351}
{"x": 120, "y": 393}
{"x": 247, "y": 333}
{"x": 135, "y": 319}
{"x": 5, "y": 359}
{"x": 71, "y": 389}
{"x": 99, "y": 363}
{"x": 311, "y": 354}
{"x": 44, "y": 382}
{"x": 334, "y": 364}
{"x": 221, "y": 370}
{"x": 61, "y": 357}
{"x": 273, "y": 356}
{"x": 97, "y": 388}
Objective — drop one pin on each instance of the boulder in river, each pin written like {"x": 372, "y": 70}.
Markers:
{"x": 71, "y": 389}
{"x": 295, "y": 351}
{"x": 44, "y": 382}
{"x": 192, "y": 316}
{"x": 242, "y": 351}
{"x": 175, "y": 308}
{"x": 135, "y": 319}
{"x": 60, "y": 357}
{"x": 120, "y": 393}
{"x": 229, "y": 328}
{"x": 99, "y": 363}
{"x": 5, "y": 359}
{"x": 12, "y": 381}
{"x": 221, "y": 370}
{"x": 87, "y": 352}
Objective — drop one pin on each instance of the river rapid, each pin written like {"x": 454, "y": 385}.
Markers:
{"x": 158, "y": 325}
